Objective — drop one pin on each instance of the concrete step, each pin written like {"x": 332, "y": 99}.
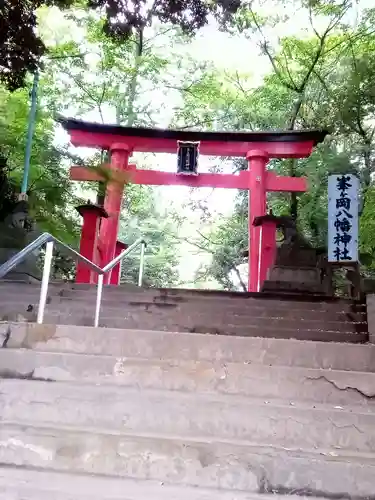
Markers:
{"x": 241, "y": 301}
{"x": 219, "y": 323}
{"x": 184, "y": 346}
{"x": 227, "y": 330}
{"x": 268, "y": 382}
{"x": 203, "y": 464}
{"x": 22, "y": 301}
{"x": 193, "y": 316}
{"x": 195, "y": 324}
{"x": 119, "y": 308}
{"x": 257, "y": 316}
{"x": 229, "y": 418}
{"x": 180, "y": 296}
{"x": 217, "y": 316}
{"x": 28, "y": 484}
{"x": 259, "y": 312}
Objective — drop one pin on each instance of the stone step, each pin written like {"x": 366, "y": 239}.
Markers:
{"x": 180, "y": 296}
{"x": 341, "y": 321}
{"x": 255, "y": 301}
{"x": 189, "y": 346}
{"x": 355, "y": 322}
{"x": 204, "y": 464}
{"x": 217, "y": 309}
{"x": 307, "y": 333}
{"x": 268, "y": 382}
{"x": 260, "y": 311}
{"x": 188, "y": 320}
{"x": 231, "y": 325}
{"x": 231, "y": 418}
{"x": 228, "y": 330}
{"x": 186, "y": 326}
{"x": 219, "y": 323}
{"x": 30, "y": 484}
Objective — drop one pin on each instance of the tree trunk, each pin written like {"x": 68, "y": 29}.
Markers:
{"x": 132, "y": 87}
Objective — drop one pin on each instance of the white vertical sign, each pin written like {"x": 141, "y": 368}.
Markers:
{"x": 343, "y": 204}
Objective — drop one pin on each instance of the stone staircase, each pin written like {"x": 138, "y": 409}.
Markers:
{"x": 279, "y": 402}
{"x": 245, "y": 314}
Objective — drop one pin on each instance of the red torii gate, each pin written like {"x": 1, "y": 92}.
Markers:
{"x": 257, "y": 147}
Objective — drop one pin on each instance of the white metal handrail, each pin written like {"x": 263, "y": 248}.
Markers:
{"x": 49, "y": 240}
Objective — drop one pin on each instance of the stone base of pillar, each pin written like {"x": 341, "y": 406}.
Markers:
{"x": 294, "y": 280}
{"x": 298, "y": 268}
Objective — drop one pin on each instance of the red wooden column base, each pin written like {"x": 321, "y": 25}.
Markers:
{"x": 116, "y": 271}
{"x": 268, "y": 227}
{"x": 257, "y": 207}
{"x": 92, "y": 214}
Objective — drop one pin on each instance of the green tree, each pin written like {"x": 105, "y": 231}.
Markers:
{"x": 117, "y": 81}
{"x": 21, "y": 47}
{"x": 321, "y": 81}
{"x": 142, "y": 217}
{"x": 51, "y": 198}
{"x": 226, "y": 243}
{"x": 114, "y": 79}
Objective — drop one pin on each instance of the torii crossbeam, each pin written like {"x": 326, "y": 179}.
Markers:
{"x": 257, "y": 147}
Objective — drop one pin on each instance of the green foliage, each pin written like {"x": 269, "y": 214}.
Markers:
{"x": 50, "y": 197}
{"x": 367, "y": 230}
{"x": 109, "y": 77}
{"x": 122, "y": 20}
{"x": 117, "y": 79}
{"x": 20, "y": 46}
{"x": 142, "y": 217}
{"x": 324, "y": 80}
{"x": 207, "y": 99}
{"x": 8, "y": 198}
{"x": 319, "y": 78}
{"x": 101, "y": 75}
{"x": 227, "y": 242}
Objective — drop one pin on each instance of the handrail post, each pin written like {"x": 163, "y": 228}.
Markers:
{"x": 141, "y": 264}
{"x": 98, "y": 298}
{"x": 45, "y": 281}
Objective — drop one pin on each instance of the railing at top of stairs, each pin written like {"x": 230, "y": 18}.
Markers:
{"x": 49, "y": 240}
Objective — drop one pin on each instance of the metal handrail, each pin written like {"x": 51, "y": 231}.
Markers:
{"x": 49, "y": 240}
{"x": 111, "y": 265}
{"x": 36, "y": 245}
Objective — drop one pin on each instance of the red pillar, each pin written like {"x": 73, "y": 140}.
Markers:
{"x": 257, "y": 207}
{"x": 268, "y": 225}
{"x": 92, "y": 215}
{"x": 116, "y": 271}
{"x": 112, "y": 204}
